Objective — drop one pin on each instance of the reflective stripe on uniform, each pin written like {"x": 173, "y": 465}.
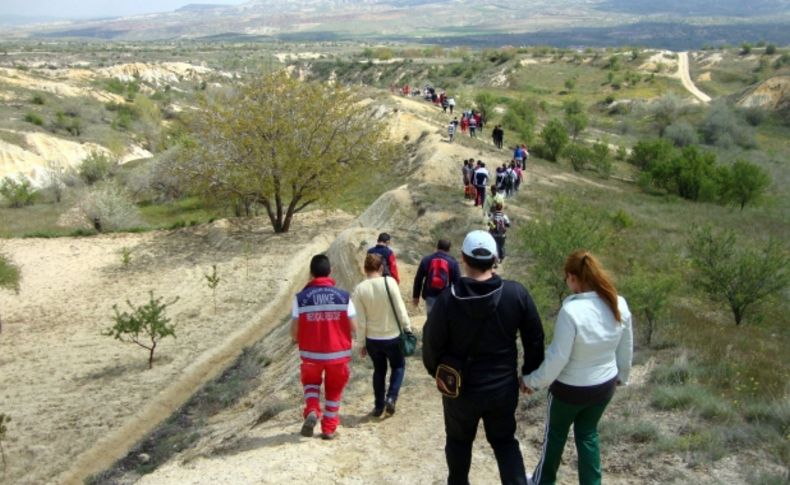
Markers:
{"x": 323, "y": 308}
{"x": 335, "y": 404}
{"x": 307, "y": 387}
{"x": 308, "y": 395}
{"x": 325, "y": 356}
{"x": 328, "y": 414}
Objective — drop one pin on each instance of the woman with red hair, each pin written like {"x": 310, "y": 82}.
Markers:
{"x": 590, "y": 354}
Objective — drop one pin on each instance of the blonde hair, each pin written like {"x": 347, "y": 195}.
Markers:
{"x": 591, "y": 274}
{"x": 373, "y": 262}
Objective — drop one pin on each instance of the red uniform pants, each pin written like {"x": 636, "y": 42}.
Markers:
{"x": 334, "y": 377}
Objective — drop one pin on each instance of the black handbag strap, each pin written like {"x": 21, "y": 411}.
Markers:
{"x": 392, "y": 304}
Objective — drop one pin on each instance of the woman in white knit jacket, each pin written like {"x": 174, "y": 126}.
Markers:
{"x": 590, "y": 354}
{"x": 378, "y": 329}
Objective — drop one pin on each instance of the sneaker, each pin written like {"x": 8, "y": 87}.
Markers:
{"x": 376, "y": 413}
{"x": 389, "y": 406}
{"x": 309, "y": 423}
{"x": 329, "y": 436}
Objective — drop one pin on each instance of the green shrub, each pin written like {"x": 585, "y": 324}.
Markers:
{"x": 578, "y": 155}
{"x": 681, "y": 134}
{"x": 34, "y": 118}
{"x": 743, "y": 183}
{"x": 600, "y": 158}
{"x": 96, "y": 167}
{"x": 521, "y": 118}
{"x": 9, "y": 274}
{"x": 648, "y": 293}
{"x": 108, "y": 208}
{"x": 721, "y": 127}
{"x": 38, "y": 99}
{"x": 68, "y": 122}
{"x": 555, "y": 138}
{"x": 549, "y": 239}
{"x": 740, "y": 276}
{"x": 770, "y": 49}
{"x": 145, "y": 326}
{"x": 17, "y": 193}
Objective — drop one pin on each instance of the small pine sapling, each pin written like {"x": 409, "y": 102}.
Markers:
{"x": 213, "y": 280}
{"x": 145, "y": 326}
{"x": 126, "y": 257}
{"x": 4, "y": 420}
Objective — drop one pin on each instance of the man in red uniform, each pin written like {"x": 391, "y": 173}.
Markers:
{"x": 323, "y": 327}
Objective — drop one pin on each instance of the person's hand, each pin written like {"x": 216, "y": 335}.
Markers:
{"x": 415, "y": 301}
{"x": 363, "y": 352}
{"x": 525, "y": 389}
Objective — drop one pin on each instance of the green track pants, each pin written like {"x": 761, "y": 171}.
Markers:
{"x": 584, "y": 419}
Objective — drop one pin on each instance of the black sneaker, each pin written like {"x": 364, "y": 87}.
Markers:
{"x": 309, "y": 423}
{"x": 376, "y": 413}
{"x": 389, "y": 406}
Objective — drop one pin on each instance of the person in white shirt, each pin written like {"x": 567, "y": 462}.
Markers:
{"x": 590, "y": 354}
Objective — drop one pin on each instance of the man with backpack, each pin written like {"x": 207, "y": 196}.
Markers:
{"x": 382, "y": 248}
{"x": 475, "y": 327}
{"x": 436, "y": 272}
{"x": 498, "y": 228}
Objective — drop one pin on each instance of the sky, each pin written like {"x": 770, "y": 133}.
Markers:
{"x": 95, "y": 8}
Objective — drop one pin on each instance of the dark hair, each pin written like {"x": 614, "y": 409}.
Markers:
{"x": 443, "y": 245}
{"x": 383, "y": 237}
{"x": 590, "y": 273}
{"x": 479, "y": 264}
{"x": 319, "y": 266}
{"x": 373, "y": 262}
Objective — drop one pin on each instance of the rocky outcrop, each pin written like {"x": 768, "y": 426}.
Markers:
{"x": 772, "y": 95}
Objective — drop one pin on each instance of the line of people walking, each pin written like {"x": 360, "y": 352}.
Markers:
{"x": 474, "y": 320}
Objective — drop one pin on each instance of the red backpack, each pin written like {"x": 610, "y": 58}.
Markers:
{"x": 438, "y": 273}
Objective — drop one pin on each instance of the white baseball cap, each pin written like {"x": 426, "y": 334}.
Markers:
{"x": 479, "y": 245}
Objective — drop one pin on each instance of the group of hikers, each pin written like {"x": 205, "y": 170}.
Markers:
{"x": 507, "y": 181}
{"x": 469, "y": 345}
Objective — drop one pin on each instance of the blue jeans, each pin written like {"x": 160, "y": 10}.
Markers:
{"x": 381, "y": 352}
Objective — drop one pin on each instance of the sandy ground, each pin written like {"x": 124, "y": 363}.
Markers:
{"x": 67, "y": 387}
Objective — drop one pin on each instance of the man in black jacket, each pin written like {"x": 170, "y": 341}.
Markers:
{"x": 436, "y": 272}
{"x": 476, "y": 322}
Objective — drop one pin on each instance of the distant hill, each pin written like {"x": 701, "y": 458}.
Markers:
{"x": 674, "y": 24}
{"x": 200, "y": 7}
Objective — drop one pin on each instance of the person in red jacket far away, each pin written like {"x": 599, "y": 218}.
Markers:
{"x": 323, "y": 327}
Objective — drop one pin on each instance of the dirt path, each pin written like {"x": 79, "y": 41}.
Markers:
{"x": 685, "y": 78}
